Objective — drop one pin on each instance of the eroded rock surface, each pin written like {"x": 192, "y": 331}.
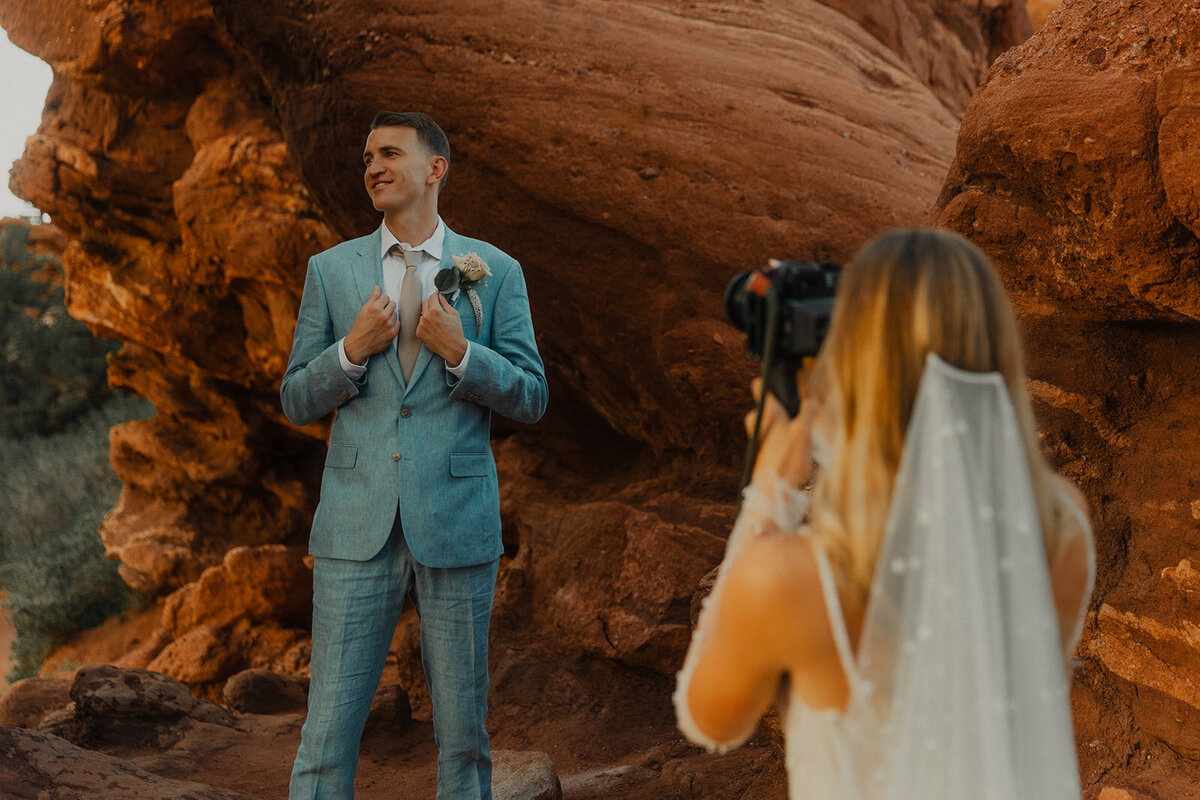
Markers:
{"x": 1076, "y": 170}
{"x": 259, "y": 584}
{"x": 1073, "y": 165}
{"x": 186, "y": 223}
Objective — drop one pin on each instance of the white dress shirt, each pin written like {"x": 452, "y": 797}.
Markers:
{"x": 393, "y": 274}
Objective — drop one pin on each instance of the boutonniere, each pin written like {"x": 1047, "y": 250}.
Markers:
{"x": 466, "y": 271}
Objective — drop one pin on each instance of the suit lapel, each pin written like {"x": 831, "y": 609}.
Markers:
{"x": 368, "y": 267}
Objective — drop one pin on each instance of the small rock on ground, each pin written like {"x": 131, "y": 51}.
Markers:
{"x": 524, "y": 775}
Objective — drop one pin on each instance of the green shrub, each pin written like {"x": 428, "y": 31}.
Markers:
{"x": 54, "y": 492}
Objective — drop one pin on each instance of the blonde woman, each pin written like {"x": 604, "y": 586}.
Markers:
{"x": 916, "y": 621}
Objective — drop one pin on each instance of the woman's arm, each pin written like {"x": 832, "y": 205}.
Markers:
{"x": 740, "y": 648}
{"x": 1072, "y": 565}
{"x": 757, "y": 626}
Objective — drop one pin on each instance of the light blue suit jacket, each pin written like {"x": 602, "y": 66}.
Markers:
{"x": 422, "y": 447}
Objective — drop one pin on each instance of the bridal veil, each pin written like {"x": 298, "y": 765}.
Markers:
{"x": 960, "y": 688}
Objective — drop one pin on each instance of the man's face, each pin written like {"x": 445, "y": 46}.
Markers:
{"x": 397, "y": 169}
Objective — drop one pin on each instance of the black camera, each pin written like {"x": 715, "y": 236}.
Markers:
{"x": 801, "y": 293}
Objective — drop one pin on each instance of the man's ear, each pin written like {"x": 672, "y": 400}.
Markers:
{"x": 437, "y": 170}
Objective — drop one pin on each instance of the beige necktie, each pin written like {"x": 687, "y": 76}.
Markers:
{"x": 408, "y": 346}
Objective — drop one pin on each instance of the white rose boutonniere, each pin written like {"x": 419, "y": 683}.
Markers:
{"x": 466, "y": 271}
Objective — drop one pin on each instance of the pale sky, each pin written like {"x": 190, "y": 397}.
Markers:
{"x": 24, "y": 81}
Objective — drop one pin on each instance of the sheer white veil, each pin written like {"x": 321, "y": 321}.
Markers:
{"x": 960, "y": 690}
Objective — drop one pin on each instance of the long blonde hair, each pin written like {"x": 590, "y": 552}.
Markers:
{"x": 905, "y": 295}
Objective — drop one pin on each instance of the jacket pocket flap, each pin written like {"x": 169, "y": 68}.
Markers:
{"x": 465, "y": 465}
{"x": 341, "y": 456}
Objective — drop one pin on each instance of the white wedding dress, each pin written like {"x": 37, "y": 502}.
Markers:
{"x": 957, "y": 686}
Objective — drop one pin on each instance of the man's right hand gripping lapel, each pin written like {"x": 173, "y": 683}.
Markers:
{"x": 375, "y": 328}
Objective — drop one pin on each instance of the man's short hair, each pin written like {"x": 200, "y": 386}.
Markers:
{"x": 429, "y": 133}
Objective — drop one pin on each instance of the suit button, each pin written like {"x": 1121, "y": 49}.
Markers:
{"x": 472, "y": 396}
{"x": 395, "y": 456}
{"x": 404, "y": 412}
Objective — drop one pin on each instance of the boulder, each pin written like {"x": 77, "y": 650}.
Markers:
{"x": 202, "y": 655}
{"x": 26, "y": 702}
{"x": 132, "y": 708}
{"x": 261, "y": 691}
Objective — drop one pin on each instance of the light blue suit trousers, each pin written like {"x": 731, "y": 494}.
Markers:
{"x": 409, "y": 507}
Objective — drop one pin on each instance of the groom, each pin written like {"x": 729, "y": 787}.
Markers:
{"x": 409, "y": 503}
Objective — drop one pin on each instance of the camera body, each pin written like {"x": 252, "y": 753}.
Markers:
{"x": 804, "y": 293}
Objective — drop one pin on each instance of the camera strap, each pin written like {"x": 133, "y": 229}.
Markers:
{"x": 768, "y": 361}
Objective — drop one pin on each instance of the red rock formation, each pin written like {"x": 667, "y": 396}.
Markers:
{"x": 265, "y": 584}
{"x": 194, "y": 163}
{"x": 633, "y": 155}
{"x": 1076, "y": 169}
{"x": 947, "y": 46}
{"x": 261, "y": 691}
{"x": 152, "y": 145}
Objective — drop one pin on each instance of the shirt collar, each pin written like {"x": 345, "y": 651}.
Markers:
{"x": 433, "y": 245}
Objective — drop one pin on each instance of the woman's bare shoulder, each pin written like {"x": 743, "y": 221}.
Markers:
{"x": 776, "y": 582}
{"x": 774, "y": 564}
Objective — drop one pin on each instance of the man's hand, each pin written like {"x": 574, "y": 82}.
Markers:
{"x": 440, "y": 329}
{"x": 373, "y": 329}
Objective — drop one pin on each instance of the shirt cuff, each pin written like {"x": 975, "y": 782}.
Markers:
{"x": 461, "y": 369}
{"x": 353, "y": 371}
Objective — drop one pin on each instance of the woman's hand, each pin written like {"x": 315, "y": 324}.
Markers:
{"x": 785, "y": 444}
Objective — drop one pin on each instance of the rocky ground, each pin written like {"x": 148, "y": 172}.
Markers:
{"x": 588, "y": 731}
